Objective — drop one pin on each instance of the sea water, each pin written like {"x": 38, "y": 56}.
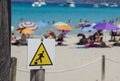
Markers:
{"x": 57, "y": 13}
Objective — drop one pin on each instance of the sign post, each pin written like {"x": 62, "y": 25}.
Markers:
{"x": 103, "y": 68}
{"x": 37, "y": 75}
{"x": 40, "y": 54}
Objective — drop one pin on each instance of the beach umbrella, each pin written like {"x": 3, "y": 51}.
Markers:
{"x": 87, "y": 25}
{"x": 41, "y": 24}
{"x": 28, "y": 24}
{"x": 83, "y": 25}
{"x": 24, "y": 31}
{"x": 63, "y": 28}
{"x": 59, "y": 23}
{"x": 105, "y": 26}
{"x": 90, "y": 26}
{"x": 88, "y": 29}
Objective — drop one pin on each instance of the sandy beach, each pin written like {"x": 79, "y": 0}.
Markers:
{"x": 73, "y": 63}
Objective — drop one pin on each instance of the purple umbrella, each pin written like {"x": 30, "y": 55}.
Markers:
{"x": 105, "y": 26}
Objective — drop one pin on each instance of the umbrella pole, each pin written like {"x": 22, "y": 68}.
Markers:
{"x": 105, "y": 36}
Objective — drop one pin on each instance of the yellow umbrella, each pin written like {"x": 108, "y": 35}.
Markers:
{"x": 63, "y": 27}
{"x": 24, "y": 31}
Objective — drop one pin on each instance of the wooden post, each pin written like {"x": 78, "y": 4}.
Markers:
{"x": 32, "y": 75}
{"x": 103, "y": 68}
{"x": 37, "y": 75}
{"x": 13, "y": 69}
{"x": 5, "y": 40}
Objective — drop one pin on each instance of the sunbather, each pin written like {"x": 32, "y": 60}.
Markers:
{"x": 14, "y": 41}
{"x": 82, "y": 41}
{"x": 60, "y": 39}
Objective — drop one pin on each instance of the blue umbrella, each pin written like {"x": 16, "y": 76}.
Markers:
{"x": 86, "y": 29}
{"x": 41, "y": 24}
{"x": 87, "y": 25}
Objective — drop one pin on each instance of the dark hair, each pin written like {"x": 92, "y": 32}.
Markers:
{"x": 12, "y": 33}
{"x": 83, "y": 36}
{"x": 101, "y": 38}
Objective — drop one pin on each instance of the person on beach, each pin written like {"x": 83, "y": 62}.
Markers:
{"x": 14, "y": 41}
{"x": 60, "y": 39}
{"x": 102, "y": 43}
{"x": 23, "y": 40}
{"x": 113, "y": 34}
{"x": 97, "y": 37}
{"x": 91, "y": 42}
{"x": 50, "y": 35}
{"x": 64, "y": 32}
{"x": 91, "y": 38}
{"x": 79, "y": 34}
{"x": 82, "y": 41}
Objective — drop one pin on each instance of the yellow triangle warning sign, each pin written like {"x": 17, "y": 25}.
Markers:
{"x": 41, "y": 57}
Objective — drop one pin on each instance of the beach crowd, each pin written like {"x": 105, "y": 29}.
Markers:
{"x": 94, "y": 40}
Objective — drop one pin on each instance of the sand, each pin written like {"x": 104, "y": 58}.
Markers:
{"x": 73, "y": 63}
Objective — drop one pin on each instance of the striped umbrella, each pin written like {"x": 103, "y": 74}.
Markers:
{"x": 28, "y": 24}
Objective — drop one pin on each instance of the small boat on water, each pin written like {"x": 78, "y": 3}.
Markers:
{"x": 104, "y": 3}
{"x": 43, "y": 2}
{"x": 114, "y": 5}
{"x": 38, "y": 3}
{"x": 95, "y": 5}
{"x": 69, "y": 3}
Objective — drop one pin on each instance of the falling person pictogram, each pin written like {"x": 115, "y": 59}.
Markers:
{"x": 40, "y": 57}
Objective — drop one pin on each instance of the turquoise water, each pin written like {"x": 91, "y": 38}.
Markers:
{"x": 57, "y": 13}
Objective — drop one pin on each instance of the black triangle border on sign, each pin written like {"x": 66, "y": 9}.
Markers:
{"x": 35, "y": 55}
